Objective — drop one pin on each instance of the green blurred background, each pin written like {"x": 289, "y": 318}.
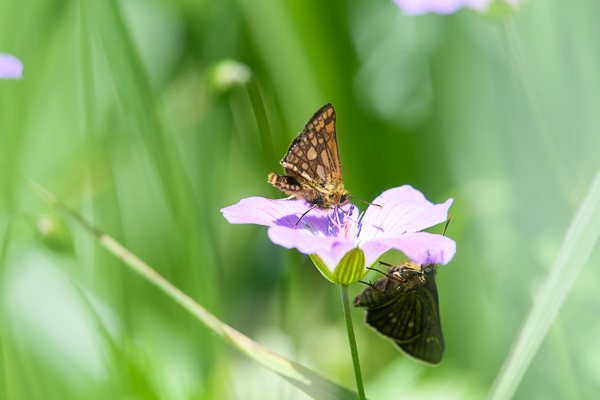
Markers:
{"x": 148, "y": 116}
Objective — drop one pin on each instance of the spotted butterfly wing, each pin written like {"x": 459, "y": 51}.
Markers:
{"x": 403, "y": 306}
{"x": 312, "y": 164}
{"x": 313, "y": 155}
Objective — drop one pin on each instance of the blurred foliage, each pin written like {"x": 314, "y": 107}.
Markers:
{"x": 148, "y": 116}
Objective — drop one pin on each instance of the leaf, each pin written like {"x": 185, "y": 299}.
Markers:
{"x": 581, "y": 238}
{"x": 310, "y": 382}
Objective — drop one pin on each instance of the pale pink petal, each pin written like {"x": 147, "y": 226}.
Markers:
{"x": 417, "y": 7}
{"x": 419, "y": 247}
{"x": 373, "y": 250}
{"x": 403, "y": 210}
{"x": 271, "y": 212}
{"x": 331, "y": 249}
{"x": 10, "y": 67}
{"x": 331, "y": 233}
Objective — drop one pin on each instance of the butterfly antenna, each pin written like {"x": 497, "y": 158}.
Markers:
{"x": 305, "y": 212}
{"x": 386, "y": 264}
{"x": 375, "y": 269}
{"x": 364, "y": 201}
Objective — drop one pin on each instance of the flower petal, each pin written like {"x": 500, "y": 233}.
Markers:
{"x": 271, "y": 212}
{"x": 10, "y": 67}
{"x": 373, "y": 250}
{"x": 417, "y": 7}
{"x": 420, "y": 247}
{"x": 330, "y": 249}
{"x": 403, "y": 210}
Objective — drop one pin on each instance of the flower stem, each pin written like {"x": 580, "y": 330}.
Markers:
{"x": 352, "y": 340}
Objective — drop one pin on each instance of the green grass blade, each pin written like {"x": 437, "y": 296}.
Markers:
{"x": 580, "y": 240}
{"x": 303, "y": 378}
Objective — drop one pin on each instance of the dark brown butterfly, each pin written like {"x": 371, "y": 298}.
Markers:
{"x": 312, "y": 166}
{"x": 403, "y": 306}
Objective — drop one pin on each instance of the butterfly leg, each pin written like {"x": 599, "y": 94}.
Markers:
{"x": 305, "y": 212}
{"x": 369, "y": 284}
{"x": 375, "y": 269}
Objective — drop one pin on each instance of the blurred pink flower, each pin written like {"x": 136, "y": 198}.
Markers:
{"x": 331, "y": 234}
{"x": 10, "y": 67}
{"x": 417, "y": 7}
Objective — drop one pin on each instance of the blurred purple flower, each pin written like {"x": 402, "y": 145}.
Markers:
{"x": 417, "y": 7}
{"x": 330, "y": 234}
{"x": 10, "y": 67}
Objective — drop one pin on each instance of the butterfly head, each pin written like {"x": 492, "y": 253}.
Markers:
{"x": 335, "y": 196}
{"x": 429, "y": 270}
{"x": 343, "y": 198}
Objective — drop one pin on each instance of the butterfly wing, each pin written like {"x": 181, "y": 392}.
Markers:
{"x": 377, "y": 294}
{"x": 411, "y": 319}
{"x": 313, "y": 155}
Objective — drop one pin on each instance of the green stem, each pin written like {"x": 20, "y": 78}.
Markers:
{"x": 352, "y": 340}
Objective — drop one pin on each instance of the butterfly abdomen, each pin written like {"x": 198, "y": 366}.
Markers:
{"x": 290, "y": 186}
{"x": 285, "y": 183}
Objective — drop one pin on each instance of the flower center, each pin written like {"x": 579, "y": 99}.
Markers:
{"x": 341, "y": 224}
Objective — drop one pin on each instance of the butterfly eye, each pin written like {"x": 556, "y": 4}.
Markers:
{"x": 343, "y": 199}
{"x": 428, "y": 270}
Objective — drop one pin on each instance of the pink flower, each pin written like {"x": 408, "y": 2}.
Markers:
{"x": 10, "y": 67}
{"x": 417, "y": 7}
{"x": 332, "y": 234}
